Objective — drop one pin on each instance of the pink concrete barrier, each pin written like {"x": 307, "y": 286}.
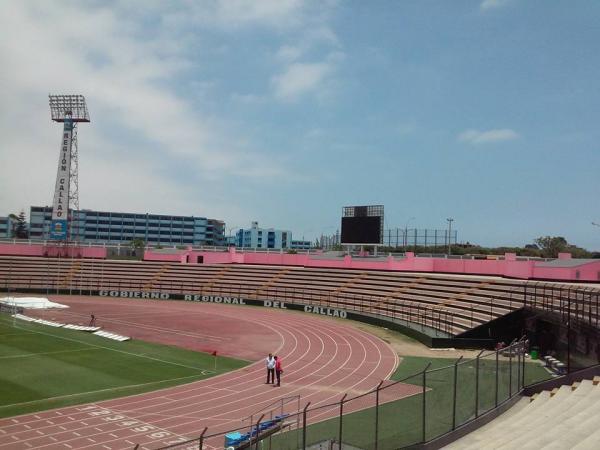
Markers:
{"x": 24, "y": 249}
{"x": 567, "y": 270}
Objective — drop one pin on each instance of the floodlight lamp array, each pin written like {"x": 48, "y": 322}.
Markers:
{"x": 363, "y": 211}
{"x": 68, "y": 106}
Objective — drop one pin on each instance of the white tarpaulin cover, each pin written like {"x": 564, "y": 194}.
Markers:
{"x": 31, "y": 302}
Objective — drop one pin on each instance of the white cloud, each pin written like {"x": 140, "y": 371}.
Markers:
{"x": 487, "y": 137}
{"x": 279, "y": 13}
{"x": 406, "y": 128}
{"x": 299, "y": 79}
{"x": 247, "y": 99}
{"x": 289, "y": 53}
{"x": 128, "y": 77}
{"x": 493, "y": 4}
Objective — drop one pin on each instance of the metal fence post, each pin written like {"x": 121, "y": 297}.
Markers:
{"x": 518, "y": 347}
{"x": 477, "y": 383}
{"x": 424, "y": 412}
{"x": 523, "y": 364}
{"x": 569, "y": 330}
{"x": 341, "y": 418}
{"x": 510, "y": 350}
{"x": 304, "y": 426}
{"x": 377, "y": 414}
{"x": 201, "y": 439}
{"x": 257, "y": 430}
{"x": 454, "y": 393}
{"x": 497, "y": 379}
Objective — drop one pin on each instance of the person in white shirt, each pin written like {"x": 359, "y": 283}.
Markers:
{"x": 270, "y": 369}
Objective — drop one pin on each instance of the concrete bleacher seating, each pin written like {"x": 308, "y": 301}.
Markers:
{"x": 446, "y": 303}
{"x": 567, "y": 417}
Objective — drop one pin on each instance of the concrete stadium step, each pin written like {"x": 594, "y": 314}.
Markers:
{"x": 569, "y": 433}
{"x": 589, "y": 443}
{"x": 560, "y": 407}
{"x": 474, "y": 440}
{"x": 566, "y": 418}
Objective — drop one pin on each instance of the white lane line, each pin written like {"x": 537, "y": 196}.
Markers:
{"x": 246, "y": 374}
{"x": 28, "y": 355}
{"x": 358, "y": 336}
{"x": 116, "y": 350}
{"x": 299, "y": 360}
{"x": 171, "y": 432}
{"x": 119, "y": 321}
{"x": 106, "y": 390}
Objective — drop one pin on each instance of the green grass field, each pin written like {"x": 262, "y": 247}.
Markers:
{"x": 400, "y": 422}
{"x": 43, "y": 367}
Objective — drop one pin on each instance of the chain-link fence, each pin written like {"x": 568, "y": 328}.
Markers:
{"x": 396, "y": 414}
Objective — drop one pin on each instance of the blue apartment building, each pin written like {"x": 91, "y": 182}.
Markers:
{"x": 118, "y": 227}
{"x": 6, "y": 227}
{"x": 267, "y": 238}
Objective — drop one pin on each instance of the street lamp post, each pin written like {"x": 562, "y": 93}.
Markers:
{"x": 230, "y": 235}
{"x": 450, "y": 220}
{"x": 406, "y": 232}
{"x": 328, "y": 237}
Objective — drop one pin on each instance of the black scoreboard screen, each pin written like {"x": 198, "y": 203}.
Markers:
{"x": 361, "y": 230}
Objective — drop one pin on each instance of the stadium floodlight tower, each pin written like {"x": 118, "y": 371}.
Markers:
{"x": 69, "y": 110}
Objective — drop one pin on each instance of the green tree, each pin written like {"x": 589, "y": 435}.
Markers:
{"x": 137, "y": 244}
{"x": 19, "y": 229}
{"x": 551, "y": 246}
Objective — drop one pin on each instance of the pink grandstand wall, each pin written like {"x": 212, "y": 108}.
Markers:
{"x": 508, "y": 267}
{"x": 43, "y": 250}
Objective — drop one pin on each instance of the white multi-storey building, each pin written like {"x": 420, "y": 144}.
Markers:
{"x": 255, "y": 237}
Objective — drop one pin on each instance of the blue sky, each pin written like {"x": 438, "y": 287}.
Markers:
{"x": 284, "y": 111}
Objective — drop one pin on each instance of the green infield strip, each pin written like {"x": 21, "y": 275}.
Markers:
{"x": 43, "y": 367}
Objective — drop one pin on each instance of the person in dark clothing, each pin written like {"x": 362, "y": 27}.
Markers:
{"x": 278, "y": 370}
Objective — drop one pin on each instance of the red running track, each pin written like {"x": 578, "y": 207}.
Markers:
{"x": 323, "y": 359}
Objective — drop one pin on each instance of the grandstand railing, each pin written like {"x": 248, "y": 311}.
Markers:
{"x": 225, "y": 248}
{"x": 414, "y": 410}
{"x": 578, "y": 304}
